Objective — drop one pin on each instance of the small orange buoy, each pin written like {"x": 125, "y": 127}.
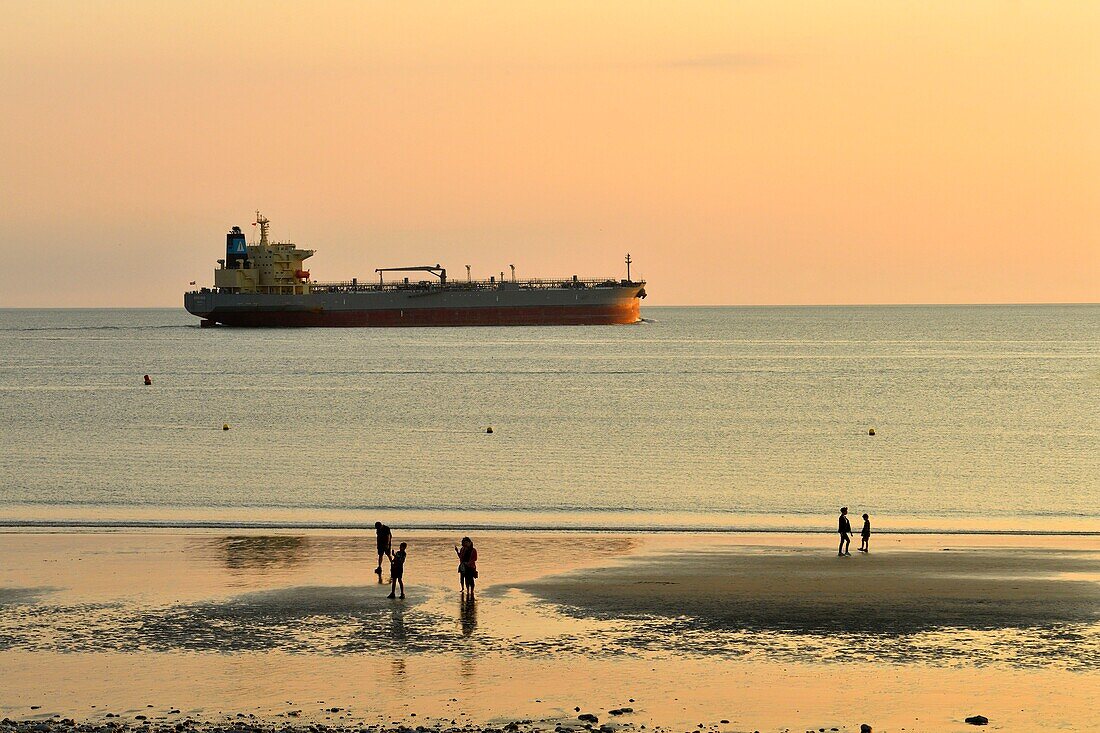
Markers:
{"x": 148, "y": 381}
{"x": 225, "y": 426}
{"x": 871, "y": 431}
{"x": 489, "y": 430}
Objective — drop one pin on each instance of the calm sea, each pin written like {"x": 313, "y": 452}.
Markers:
{"x": 986, "y": 419}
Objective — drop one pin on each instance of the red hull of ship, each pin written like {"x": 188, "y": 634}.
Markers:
{"x": 588, "y": 315}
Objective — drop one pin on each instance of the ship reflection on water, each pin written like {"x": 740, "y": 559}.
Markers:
{"x": 260, "y": 553}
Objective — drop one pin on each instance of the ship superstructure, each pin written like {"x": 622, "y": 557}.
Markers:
{"x": 265, "y": 267}
{"x": 266, "y": 284}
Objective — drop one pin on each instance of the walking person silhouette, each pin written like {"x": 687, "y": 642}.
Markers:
{"x": 845, "y": 530}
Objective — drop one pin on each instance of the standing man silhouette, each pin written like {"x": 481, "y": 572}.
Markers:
{"x": 845, "y": 529}
{"x": 385, "y": 538}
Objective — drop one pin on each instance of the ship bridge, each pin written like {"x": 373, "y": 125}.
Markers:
{"x": 264, "y": 266}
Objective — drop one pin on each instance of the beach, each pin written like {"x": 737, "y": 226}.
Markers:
{"x": 765, "y": 631}
{"x": 640, "y": 304}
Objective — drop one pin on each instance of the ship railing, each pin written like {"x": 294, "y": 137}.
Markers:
{"x": 352, "y": 286}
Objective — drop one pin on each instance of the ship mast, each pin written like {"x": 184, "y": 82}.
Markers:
{"x": 628, "y": 267}
{"x": 263, "y": 222}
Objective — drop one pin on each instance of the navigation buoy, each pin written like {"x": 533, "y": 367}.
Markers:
{"x": 489, "y": 430}
{"x": 148, "y": 381}
{"x": 225, "y": 426}
{"x": 871, "y": 431}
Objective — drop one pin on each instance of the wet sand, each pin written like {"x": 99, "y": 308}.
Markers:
{"x": 802, "y": 589}
{"x": 767, "y": 632}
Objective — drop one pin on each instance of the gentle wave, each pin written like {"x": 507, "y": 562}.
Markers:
{"x": 489, "y": 526}
{"x": 561, "y": 509}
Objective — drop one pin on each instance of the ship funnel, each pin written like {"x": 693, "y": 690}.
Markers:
{"x": 236, "y": 250}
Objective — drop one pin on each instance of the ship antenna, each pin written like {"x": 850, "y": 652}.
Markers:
{"x": 263, "y": 222}
{"x": 628, "y": 267}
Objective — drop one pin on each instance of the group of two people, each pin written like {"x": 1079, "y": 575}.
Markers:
{"x": 845, "y": 530}
{"x": 467, "y": 562}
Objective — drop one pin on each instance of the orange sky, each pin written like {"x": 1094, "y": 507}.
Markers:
{"x": 743, "y": 152}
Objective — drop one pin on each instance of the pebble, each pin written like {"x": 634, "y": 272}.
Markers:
{"x": 250, "y": 723}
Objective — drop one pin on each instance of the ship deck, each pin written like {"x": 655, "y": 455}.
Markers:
{"x": 457, "y": 286}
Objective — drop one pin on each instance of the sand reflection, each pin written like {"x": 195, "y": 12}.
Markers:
{"x": 467, "y": 614}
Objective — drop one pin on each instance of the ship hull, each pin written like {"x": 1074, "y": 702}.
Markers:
{"x": 505, "y": 307}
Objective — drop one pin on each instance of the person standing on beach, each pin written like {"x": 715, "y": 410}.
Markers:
{"x": 865, "y": 535}
{"x": 467, "y": 565}
{"x": 845, "y": 529}
{"x": 397, "y": 570}
{"x": 385, "y": 539}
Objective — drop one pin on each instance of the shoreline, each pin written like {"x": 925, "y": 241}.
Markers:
{"x": 579, "y": 529}
{"x": 586, "y": 523}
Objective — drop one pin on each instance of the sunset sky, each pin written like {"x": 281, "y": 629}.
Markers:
{"x": 743, "y": 152}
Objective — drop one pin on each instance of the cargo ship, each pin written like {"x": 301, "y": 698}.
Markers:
{"x": 266, "y": 284}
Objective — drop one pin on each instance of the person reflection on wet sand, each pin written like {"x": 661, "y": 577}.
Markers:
{"x": 398, "y": 632}
{"x": 259, "y": 553}
{"x": 467, "y": 614}
{"x": 399, "y": 671}
{"x": 467, "y": 667}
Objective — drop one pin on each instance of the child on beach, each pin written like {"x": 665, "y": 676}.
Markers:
{"x": 397, "y": 570}
{"x": 865, "y": 535}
